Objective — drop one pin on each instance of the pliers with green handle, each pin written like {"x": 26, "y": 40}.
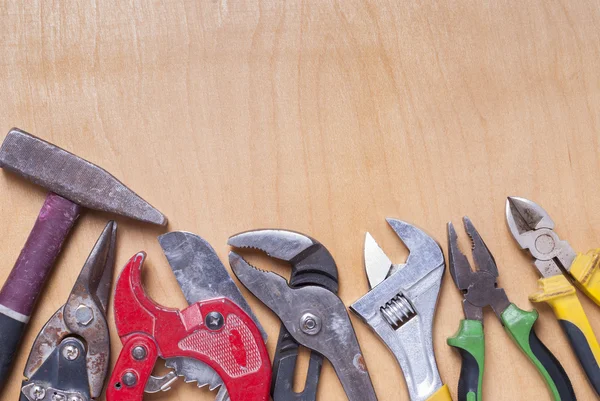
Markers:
{"x": 480, "y": 290}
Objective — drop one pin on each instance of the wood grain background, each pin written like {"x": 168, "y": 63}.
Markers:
{"x": 324, "y": 117}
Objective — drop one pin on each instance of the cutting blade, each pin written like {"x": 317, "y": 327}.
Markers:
{"x": 192, "y": 371}
{"x": 377, "y": 263}
{"x": 201, "y": 276}
{"x": 199, "y": 271}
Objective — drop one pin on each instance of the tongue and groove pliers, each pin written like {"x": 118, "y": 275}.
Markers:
{"x": 560, "y": 268}
{"x": 313, "y": 315}
{"x": 311, "y": 265}
{"x": 480, "y": 289}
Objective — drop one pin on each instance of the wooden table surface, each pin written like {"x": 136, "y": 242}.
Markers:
{"x": 323, "y": 117}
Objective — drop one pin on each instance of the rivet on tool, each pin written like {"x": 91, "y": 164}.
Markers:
{"x": 75, "y": 398}
{"x": 310, "y": 324}
{"x": 129, "y": 379}
{"x": 58, "y": 397}
{"x": 84, "y": 315}
{"x": 214, "y": 320}
{"x": 38, "y": 392}
{"x": 70, "y": 352}
{"x": 139, "y": 353}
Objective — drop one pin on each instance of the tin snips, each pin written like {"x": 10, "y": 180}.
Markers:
{"x": 70, "y": 357}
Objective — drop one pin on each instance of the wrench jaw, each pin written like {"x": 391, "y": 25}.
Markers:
{"x": 423, "y": 250}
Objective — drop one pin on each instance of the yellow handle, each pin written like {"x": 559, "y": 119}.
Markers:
{"x": 557, "y": 292}
{"x": 586, "y": 271}
{"x": 442, "y": 394}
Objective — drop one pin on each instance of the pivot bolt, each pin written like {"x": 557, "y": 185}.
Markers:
{"x": 70, "y": 352}
{"x": 58, "y": 397}
{"x": 38, "y": 392}
{"x": 139, "y": 353}
{"x": 75, "y": 398}
{"x": 84, "y": 315}
{"x": 310, "y": 324}
{"x": 129, "y": 379}
{"x": 214, "y": 320}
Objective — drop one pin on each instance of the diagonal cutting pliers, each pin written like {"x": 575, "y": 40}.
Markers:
{"x": 560, "y": 267}
{"x": 480, "y": 289}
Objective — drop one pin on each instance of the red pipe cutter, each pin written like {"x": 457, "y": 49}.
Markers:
{"x": 215, "y": 332}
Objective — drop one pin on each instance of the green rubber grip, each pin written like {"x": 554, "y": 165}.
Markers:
{"x": 470, "y": 342}
{"x": 519, "y": 325}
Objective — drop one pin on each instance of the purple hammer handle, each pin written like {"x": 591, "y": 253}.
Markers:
{"x": 29, "y": 274}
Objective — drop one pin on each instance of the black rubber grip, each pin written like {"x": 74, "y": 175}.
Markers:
{"x": 584, "y": 353}
{"x": 11, "y": 332}
{"x": 468, "y": 381}
{"x": 553, "y": 367}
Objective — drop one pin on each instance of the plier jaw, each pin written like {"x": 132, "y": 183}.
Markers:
{"x": 71, "y": 354}
{"x": 479, "y": 287}
{"x": 533, "y": 229}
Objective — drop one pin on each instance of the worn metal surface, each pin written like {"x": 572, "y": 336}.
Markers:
{"x": 72, "y": 177}
{"x": 312, "y": 265}
{"x": 402, "y": 307}
{"x": 479, "y": 286}
{"x": 63, "y": 373}
{"x": 533, "y": 229}
{"x": 335, "y": 340}
{"x": 201, "y": 276}
{"x": 90, "y": 293}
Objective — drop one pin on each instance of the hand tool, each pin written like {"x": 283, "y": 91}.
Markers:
{"x": 73, "y": 183}
{"x": 401, "y": 305}
{"x": 314, "y": 316}
{"x": 316, "y": 267}
{"x": 557, "y": 263}
{"x": 480, "y": 289}
{"x": 70, "y": 356}
{"x": 215, "y": 341}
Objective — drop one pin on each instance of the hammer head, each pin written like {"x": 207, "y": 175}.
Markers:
{"x": 72, "y": 177}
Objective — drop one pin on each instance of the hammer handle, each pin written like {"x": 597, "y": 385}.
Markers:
{"x": 26, "y": 280}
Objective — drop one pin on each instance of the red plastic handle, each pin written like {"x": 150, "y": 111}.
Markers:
{"x": 234, "y": 348}
{"x": 131, "y": 373}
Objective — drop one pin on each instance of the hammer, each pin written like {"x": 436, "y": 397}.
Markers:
{"x": 74, "y": 183}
